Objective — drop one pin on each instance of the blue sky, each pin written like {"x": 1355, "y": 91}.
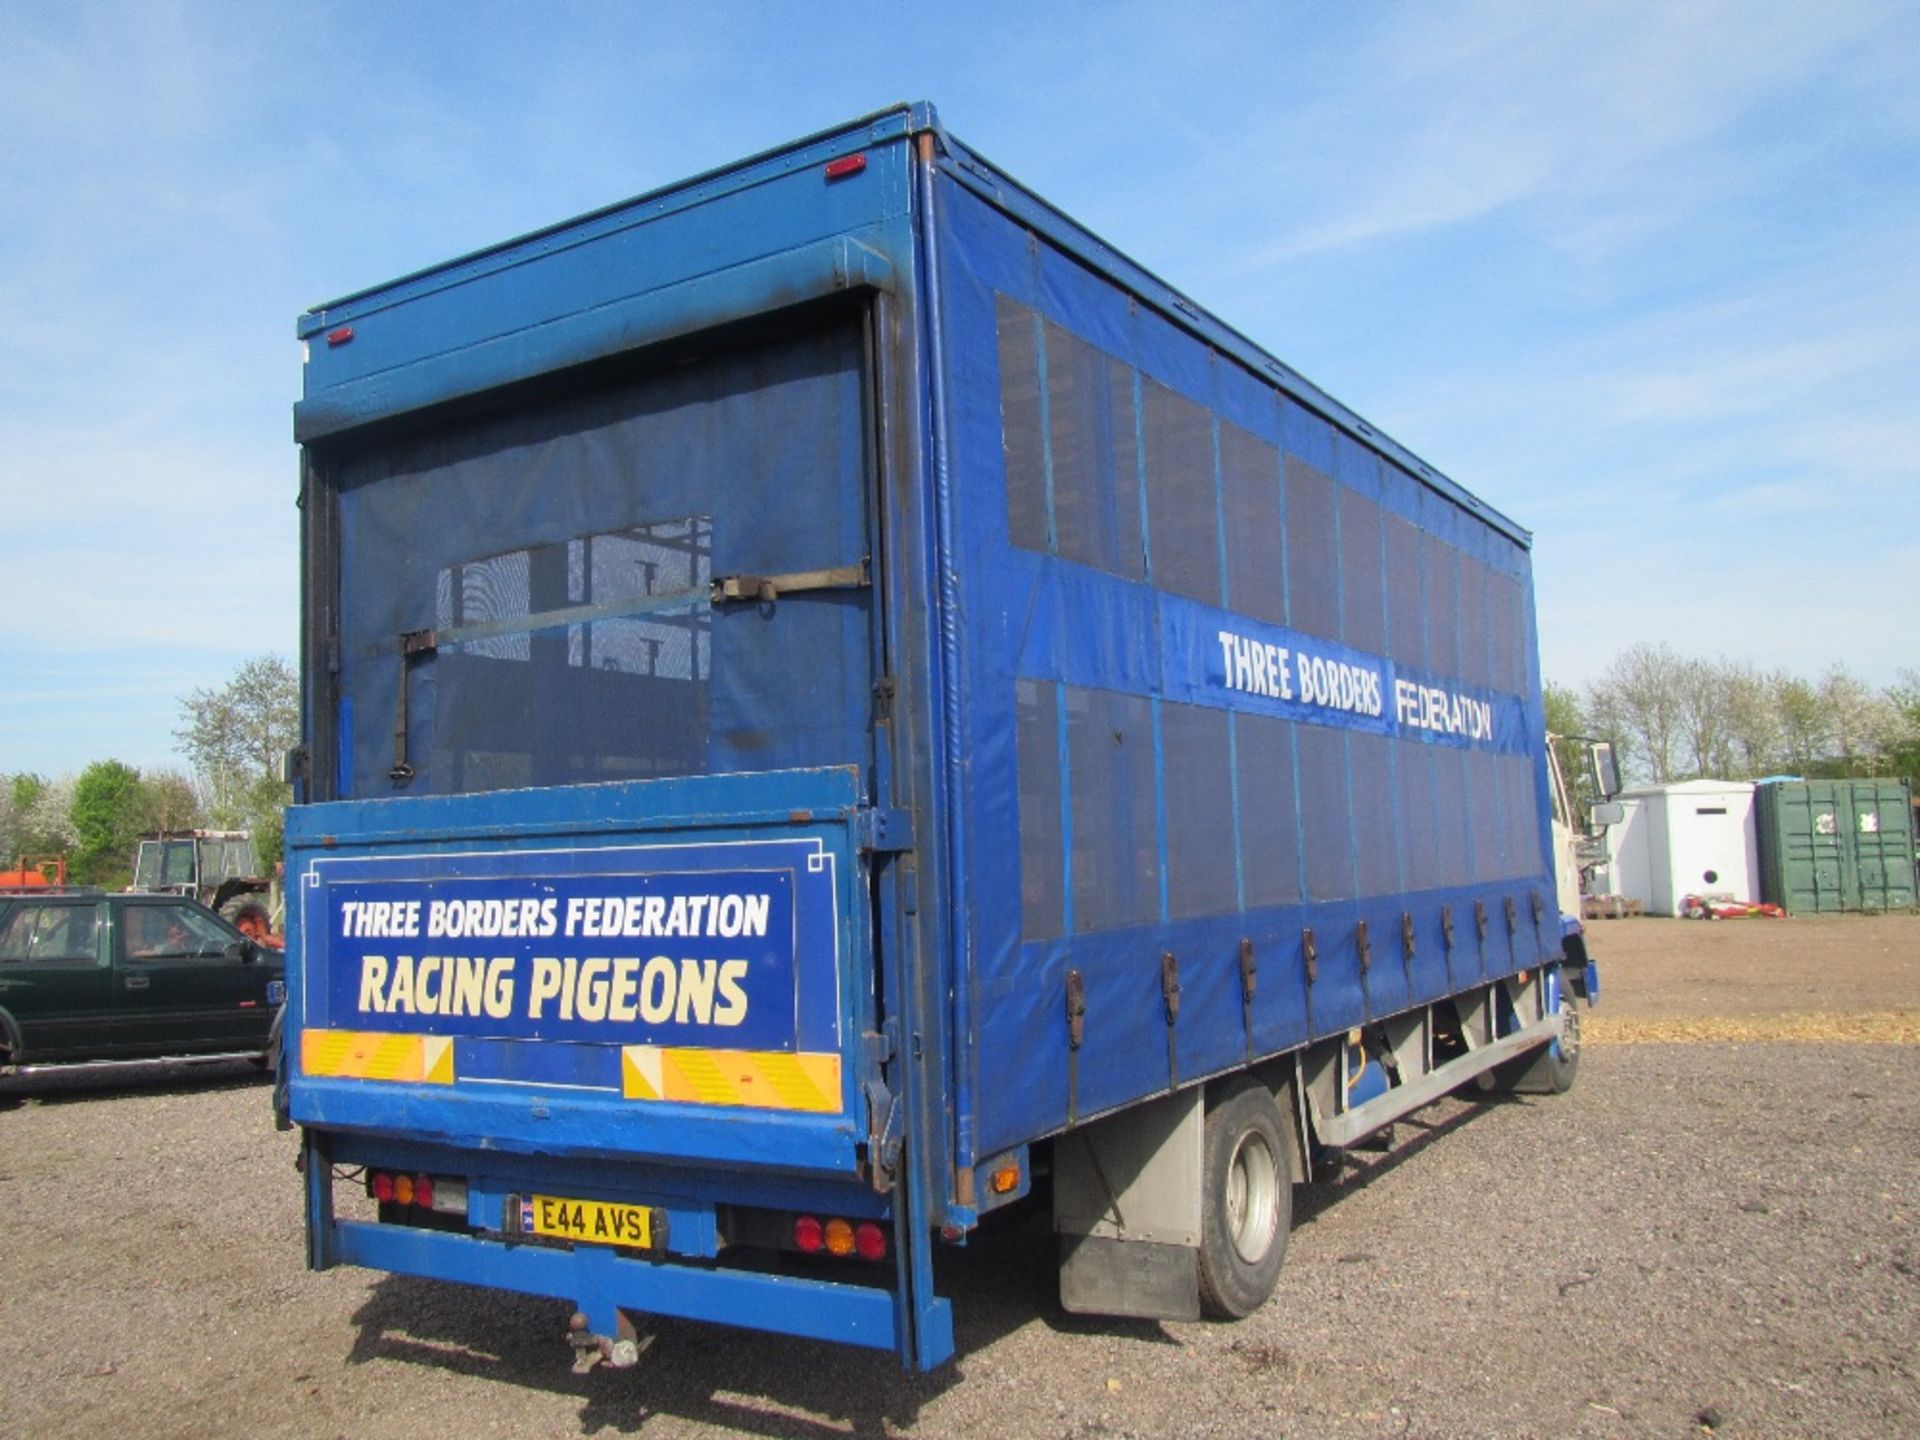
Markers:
{"x": 1645, "y": 276}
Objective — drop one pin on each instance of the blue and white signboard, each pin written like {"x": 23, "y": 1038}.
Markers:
{"x": 627, "y": 946}
{"x": 1214, "y": 657}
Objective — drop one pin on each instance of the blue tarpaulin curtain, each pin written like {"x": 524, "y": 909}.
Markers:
{"x": 615, "y": 500}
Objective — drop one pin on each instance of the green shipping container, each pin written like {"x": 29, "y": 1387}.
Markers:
{"x": 1837, "y": 845}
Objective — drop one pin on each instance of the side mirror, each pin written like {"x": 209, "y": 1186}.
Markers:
{"x": 1608, "y": 812}
{"x": 1605, "y": 769}
{"x": 243, "y": 951}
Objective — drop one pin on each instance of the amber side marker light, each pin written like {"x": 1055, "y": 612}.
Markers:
{"x": 1005, "y": 1180}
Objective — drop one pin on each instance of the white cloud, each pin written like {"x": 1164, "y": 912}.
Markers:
{"x": 1456, "y": 112}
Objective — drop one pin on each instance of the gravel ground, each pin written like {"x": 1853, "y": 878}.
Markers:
{"x": 1717, "y": 1227}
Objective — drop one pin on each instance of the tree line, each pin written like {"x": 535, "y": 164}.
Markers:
{"x": 233, "y": 737}
{"x": 1670, "y": 716}
{"x": 1681, "y": 717}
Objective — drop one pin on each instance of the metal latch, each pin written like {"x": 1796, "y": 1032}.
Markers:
{"x": 886, "y": 1127}
{"x": 414, "y": 644}
{"x": 1170, "y": 995}
{"x": 1249, "y": 982}
{"x": 1076, "y": 1036}
{"x": 765, "y": 589}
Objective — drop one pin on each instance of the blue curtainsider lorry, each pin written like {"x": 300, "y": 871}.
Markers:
{"x": 836, "y": 704}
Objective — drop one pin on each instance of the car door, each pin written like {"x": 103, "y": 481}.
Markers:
{"x": 185, "y": 982}
{"x": 54, "y": 979}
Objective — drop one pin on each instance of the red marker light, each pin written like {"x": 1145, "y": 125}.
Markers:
{"x": 423, "y": 1192}
{"x": 870, "y": 1241}
{"x": 808, "y": 1235}
{"x": 337, "y": 338}
{"x": 837, "y": 169}
{"x": 382, "y": 1186}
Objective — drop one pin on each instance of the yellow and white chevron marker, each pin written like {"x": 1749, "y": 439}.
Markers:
{"x": 761, "y": 1079}
{"x": 372, "y": 1055}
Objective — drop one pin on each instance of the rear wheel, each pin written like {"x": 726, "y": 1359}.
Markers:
{"x": 1246, "y": 1201}
{"x": 1552, "y": 1069}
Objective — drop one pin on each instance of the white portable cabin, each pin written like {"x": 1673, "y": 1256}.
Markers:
{"x": 1693, "y": 837}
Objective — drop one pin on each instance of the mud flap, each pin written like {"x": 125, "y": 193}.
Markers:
{"x": 1126, "y": 1205}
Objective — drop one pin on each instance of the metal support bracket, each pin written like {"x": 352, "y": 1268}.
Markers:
{"x": 884, "y": 831}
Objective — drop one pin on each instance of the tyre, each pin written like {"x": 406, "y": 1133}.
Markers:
{"x": 1552, "y": 1069}
{"x": 269, "y": 1058}
{"x": 1246, "y": 1201}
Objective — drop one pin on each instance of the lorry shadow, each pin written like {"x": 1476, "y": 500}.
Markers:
{"x": 729, "y": 1378}
{"x": 775, "y": 1385}
{"x": 1412, "y": 1135}
{"x": 720, "y": 1376}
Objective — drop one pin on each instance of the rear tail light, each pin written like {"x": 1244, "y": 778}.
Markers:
{"x": 839, "y": 1238}
{"x": 446, "y": 1194}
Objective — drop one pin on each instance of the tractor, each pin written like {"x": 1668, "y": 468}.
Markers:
{"x": 219, "y": 868}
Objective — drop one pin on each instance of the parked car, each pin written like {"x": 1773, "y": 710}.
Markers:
{"x": 87, "y": 976}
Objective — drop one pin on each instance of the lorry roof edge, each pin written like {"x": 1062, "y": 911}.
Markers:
{"x": 903, "y": 119}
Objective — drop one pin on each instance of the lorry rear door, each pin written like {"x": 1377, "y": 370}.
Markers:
{"x": 662, "y": 574}
{"x": 606, "y": 672}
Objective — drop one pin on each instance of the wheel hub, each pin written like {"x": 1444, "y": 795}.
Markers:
{"x": 1569, "y": 1028}
{"x": 1253, "y": 1193}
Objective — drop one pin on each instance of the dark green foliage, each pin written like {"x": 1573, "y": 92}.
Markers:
{"x": 109, "y": 811}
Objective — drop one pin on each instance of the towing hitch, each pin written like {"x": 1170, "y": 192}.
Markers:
{"x": 620, "y": 1351}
